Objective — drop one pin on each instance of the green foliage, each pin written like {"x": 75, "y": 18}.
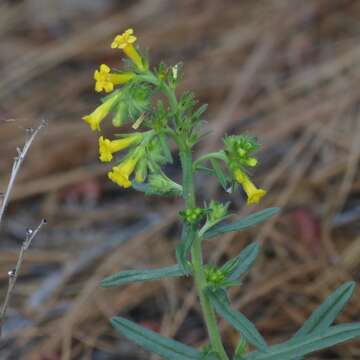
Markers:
{"x": 239, "y": 150}
{"x": 131, "y": 276}
{"x": 307, "y": 344}
{"x": 148, "y": 100}
{"x": 236, "y": 267}
{"x": 152, "y": 341}
{"x": 244, "y": 223}
{"x": 159, "y": 184}
{"x": 239, "y": 321}
{"x": 188, "y": 236}
{"x": 326, "y": 313}
{"x": 241, "y": 349}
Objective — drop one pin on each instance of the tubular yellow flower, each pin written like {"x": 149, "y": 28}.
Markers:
{"x": 125, "y": 42}
{"x": 253, "y": 193}
{"x": 120, "y": 173}
{"x": 108, "y": 147}
{"x": 99, "y": 114}
{"x": 105, "y": 80}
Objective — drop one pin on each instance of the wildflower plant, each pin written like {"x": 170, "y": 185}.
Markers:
{"x": 130, "y": 98}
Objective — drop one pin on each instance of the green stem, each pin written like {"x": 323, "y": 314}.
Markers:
{"x": 197, "y": 259}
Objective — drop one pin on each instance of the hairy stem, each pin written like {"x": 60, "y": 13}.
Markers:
{"x": 197, "y": 259}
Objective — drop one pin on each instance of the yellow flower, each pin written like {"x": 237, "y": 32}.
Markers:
{"x": 125, "y": 42}
{"x": 99, "y": 114}
{"x": 105, "y": 80}
{"x": 120, "y": 173}
{"x": 108, "y": 147}
{"x": 126, "y": 38}
{"x": 253, "y": 193}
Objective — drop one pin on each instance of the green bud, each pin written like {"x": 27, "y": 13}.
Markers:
{"x": 251, "y": 162}
{"x": 214, "y": 276}
{"x": 217, "y": 211}
{"x": 160, "y": 184}
{"x": 121, "y": 114}
{"x": 141, "y": 170}
{"x": 193, "y": 215}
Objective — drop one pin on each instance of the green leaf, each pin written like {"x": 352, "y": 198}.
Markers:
{"x": 154, "y": 342}
{"x": 183, "y": 249}
{"x": 238, "y": 321}
{"x": 240, "y": 350}
{"x": 206, "y": 170}
{"x": 131, "y": 276}
{"x": 307, "y": 344}
{"x": 327, "y": 312}
{"x": 165, "y": 149}
{"x": 200, "y": 110}
{"x": 219, "y": 173}
{"x": 219, "y": 293}
{"x": 248, "y": 221}
{"x": 234, "y": 268}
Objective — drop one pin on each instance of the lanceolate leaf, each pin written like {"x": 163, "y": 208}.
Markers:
{"x": 130, "y": 276}
{"x": 326, "y": 313}
{"x": 154, "y": 342}
{"x": 219, "y": 173}
{"x": 183, "y": 249}
{"x": 234, "y": 268}
{"x": 248, "y": 221}
{"x": 246, "y": 328}
{"x": 307, "y": 344}
{"x": 165, "y": 149}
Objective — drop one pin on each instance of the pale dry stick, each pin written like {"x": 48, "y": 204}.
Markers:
{"x": 14, "y": 273}
{"x": 16, "y": 166}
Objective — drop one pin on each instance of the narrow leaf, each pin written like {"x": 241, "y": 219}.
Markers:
{"x": 131, "y": 276}
{"x": 183, "y": 249}
{"x": 239, "y": 321}
{"x": 219, "y": 173}
{"x": 326, "y": 313}
{"x": 165, "y": 149}
{"x": 241, "y": 349}
{"x": 154, "y": 342}
{"x": 308, "y": 344}
{"x": 200, "y": 110}
{"x": 248, "y": 221}
{"x": 234, "y": 268}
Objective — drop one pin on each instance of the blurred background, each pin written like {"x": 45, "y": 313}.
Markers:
{"x": 287, "y": 71}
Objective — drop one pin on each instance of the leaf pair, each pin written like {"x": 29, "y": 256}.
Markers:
{"x": 308, "y": 344}
{"x": 316, "y": 333}
{"x": 155, "y": 343}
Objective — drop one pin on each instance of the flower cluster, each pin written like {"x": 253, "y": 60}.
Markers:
{"x": 130, "y": 99}
{"x": 193, "y": 215}
{"x": 239, "y": 156}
